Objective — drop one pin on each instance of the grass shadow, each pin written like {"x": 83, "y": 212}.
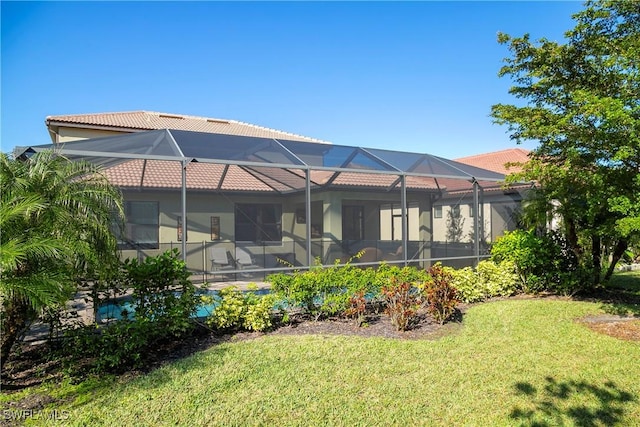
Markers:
{"x": 552, "y": 404}
{"x": 620, "y": 295}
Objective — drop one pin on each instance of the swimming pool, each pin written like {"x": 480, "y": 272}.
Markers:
{"x": 124, "y": 307}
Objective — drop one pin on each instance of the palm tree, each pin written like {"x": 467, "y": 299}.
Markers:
{"x": 56, "y": 219}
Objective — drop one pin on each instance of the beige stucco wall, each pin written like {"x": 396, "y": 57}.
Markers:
{"x": 493, "y": 208}
{"x": 66, "y": 134}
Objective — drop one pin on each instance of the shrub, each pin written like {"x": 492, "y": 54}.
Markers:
{"x": 230, "y": 309}
{"x": 238, "y": 309}
{"x": 357, "y": 308}
{"x": 441, "y": 296}
{"x": 543, "y": 262}
{"x": 386, "y": 272}
{"x": 466, "y": 282}
{"x": 112, "y": 348}
{"x": 524, "y": 249}
{"x": 324, "y": 292}
{"x": 487, "y": 280}
{"x": 164, "y": 300}
{"x": 259, "y": 313}
{"x": 401, "y": 303}
{"x": 497, "y": 279}
{"x": 162, "y": 292}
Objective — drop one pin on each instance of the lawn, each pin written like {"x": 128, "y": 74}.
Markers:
{"x": 513, "y": 362}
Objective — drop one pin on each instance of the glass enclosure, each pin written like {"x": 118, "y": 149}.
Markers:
{"x": 240, "y": 208}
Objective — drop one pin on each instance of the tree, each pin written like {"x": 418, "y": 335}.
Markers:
{"x": 455, "y": 224}
{"x": 56, "y": 219}
{"x": 583, "y": 107}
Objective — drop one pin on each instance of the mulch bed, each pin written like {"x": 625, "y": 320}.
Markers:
{"x": 622, "y": 327}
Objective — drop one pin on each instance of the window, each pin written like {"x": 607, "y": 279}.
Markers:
{"x": 437, "y": 211}
{"x": 455, "y": 211}
{"x": 471, "y": 211}
{"x": 352, "y": 222}
{"x": 258, "y": 222}
{"x": 141, "y": 226}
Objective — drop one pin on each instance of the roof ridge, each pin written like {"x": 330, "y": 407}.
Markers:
{"x": 522, "y": 150}
{"x": 278, "y": 130}
{"x": 186, "y": 116}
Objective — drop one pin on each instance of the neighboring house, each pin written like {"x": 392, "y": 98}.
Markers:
{"x": 498, "y": 161}
{"x": 262, "y": 211}
{"x": 500, "y": 206}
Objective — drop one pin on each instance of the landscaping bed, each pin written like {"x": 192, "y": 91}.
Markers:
{"x": 34, "y": 364}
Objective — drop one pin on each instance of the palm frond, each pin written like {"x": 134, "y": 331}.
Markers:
{"x": 39, "y": 290}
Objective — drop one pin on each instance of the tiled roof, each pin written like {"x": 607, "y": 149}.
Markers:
{"x": 159, "y": 174}
{"x": 168, "y": 175}
{"x": 363, "y": 180}
{"x": 131, "y": 121}
{"x": 495, "y": 161}
{"x": 458, "y": 187}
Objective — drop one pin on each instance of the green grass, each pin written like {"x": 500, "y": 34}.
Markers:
{"x": 515, "y": 362}
{"x": 628, "y": 281}
{"x": 624, "y": 286}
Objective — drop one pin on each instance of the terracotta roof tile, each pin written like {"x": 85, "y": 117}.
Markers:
{"x": 148, "y": 120}
{"x": 168, "y": 175}
{"x": 495, "y": 161}
{"x": 381, "y": 180}
{"x": 460, "y": 186}
{"x": 206, "y": 176}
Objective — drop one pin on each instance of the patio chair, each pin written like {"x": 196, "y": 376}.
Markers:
{"x": 245, "y": 261}
{"x": 219, "y": 257}
{"x": 394, "y": 256}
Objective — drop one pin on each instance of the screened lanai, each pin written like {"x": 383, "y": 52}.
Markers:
{"x": 240, "y": 207}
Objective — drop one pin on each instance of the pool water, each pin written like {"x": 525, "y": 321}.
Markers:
{"x": 125, "y": 308}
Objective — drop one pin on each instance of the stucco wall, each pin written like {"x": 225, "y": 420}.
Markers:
{"x": 66, "y": 134}
{"x": 496, "y": 211}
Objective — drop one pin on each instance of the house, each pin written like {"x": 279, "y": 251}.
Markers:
{"x": 283, "y": 199}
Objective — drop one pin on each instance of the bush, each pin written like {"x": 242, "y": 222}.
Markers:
{"x": 543, "y": 262}
{"x": 525, "y": 250}
{"x": 259, "y": 313}
{"x": 162, "y": 292}
{"x": 230, "y": 309}
{"x": 164, "y": 300}
{"x": 357, "y": 308}
{"x": 324, "y": 292}
{"x": 487, "y": 280}
{"x": 402, "y": 301}
{"x": 242, "y": 310}
{"x": 113, "y": 348}
{"x": 467, "y": 283}
{"x": 441, "y": 296}
{"x": 497, "y": 279}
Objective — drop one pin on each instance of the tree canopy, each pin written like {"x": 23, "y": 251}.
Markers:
{"x": 581, "y": 101}
{"x": 56, "y": 218}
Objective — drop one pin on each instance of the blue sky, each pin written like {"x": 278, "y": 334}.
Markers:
{"x": 414, "y": 76}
